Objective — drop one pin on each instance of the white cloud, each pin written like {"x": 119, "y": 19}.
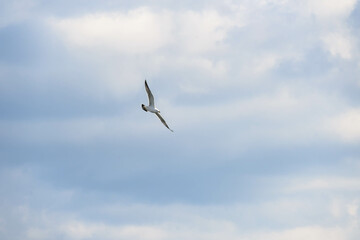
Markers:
{"x": 38, "y": 233}
{"x": 144, "y": 30}
{"x": 327, "y": 183}
{"x": 200, "y": 223}
{"x": 262, "y": 64}
{"x": 137, "y": 31}
{"x": 274, "y": 217}
{"x": 353, "y": 208}
{"x": 145, "y": 41}
{"x": 331, "y": 8}
{"x": 311, "y": 233}
{"x": 339, "y": 45}
{"x": 346, "y": 125}
{"x": 80, "y": 230}
{"x": 203, "y": 31}
{"x": 200, "y": 230}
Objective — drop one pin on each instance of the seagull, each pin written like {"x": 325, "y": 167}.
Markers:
{"x": 151, "y": 107}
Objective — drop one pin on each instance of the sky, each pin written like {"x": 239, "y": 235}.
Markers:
{"x": 263, "y": 97}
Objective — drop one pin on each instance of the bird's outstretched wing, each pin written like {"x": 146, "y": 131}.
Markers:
{"x": 163, "y": 121}
{"x": 150, "y": 96}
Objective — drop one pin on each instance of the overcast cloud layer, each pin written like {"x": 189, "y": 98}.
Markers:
{"x": 264, "y": 98}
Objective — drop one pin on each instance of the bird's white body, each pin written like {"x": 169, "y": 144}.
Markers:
{"x": 152, "y": 109}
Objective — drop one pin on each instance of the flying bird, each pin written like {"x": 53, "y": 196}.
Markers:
{"x": 151, "y": 107}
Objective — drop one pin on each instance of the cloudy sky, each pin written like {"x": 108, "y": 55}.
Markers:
{"x": 263, "y": 97}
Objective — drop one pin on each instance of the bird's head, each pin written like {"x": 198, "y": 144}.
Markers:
{"x": 143, "y": 107}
